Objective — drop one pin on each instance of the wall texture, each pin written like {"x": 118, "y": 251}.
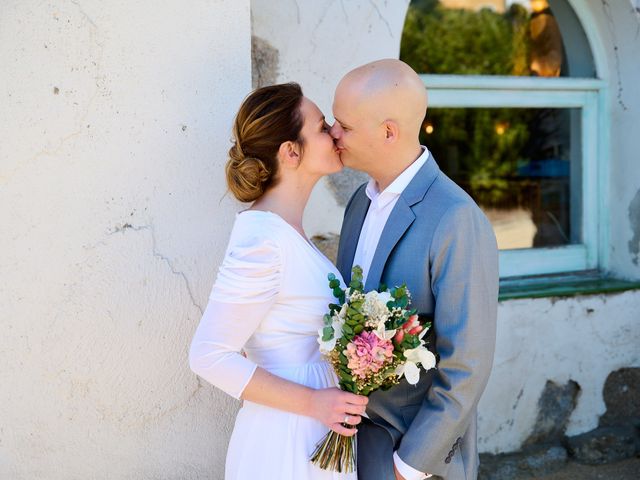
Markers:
{"x": 115, "y": 122}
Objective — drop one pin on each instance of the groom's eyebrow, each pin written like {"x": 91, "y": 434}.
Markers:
{"x": 341, "y": 122}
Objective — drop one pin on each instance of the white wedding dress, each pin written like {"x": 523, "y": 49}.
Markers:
{"x": 268, "y": 300}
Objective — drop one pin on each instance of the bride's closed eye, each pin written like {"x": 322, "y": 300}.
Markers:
{"x": 326, "y": 127}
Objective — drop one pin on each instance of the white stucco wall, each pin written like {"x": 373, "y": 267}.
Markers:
{"x": 541, "y": 339}
{"x": 581, "y": 339}
{"x": 114, "y": 127}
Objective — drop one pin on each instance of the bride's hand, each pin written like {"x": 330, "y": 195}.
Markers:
{"x": 333, "y": 407}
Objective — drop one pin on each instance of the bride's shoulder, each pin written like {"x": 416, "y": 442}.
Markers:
{"x": 257, "y": 227}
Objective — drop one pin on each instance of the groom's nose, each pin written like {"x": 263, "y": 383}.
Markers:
{"x": 335, "y": 130}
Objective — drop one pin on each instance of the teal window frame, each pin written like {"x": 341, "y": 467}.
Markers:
{"x": 585, "y": 94}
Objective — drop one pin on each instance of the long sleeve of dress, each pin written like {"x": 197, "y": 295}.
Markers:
{"x": 246, "y": 288}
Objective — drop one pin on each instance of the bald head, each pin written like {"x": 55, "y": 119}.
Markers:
{"x": 387, "y": 90}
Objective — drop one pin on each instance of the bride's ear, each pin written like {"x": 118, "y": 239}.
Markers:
{"x": 289, "y": 154}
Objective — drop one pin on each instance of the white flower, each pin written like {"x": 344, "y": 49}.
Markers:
{"x": 410, "y": 368}
{"x": 336, "y": 324}
{"x": 384, "y": 334}
{"x": 384, "y": 297}
{"x": 326, "y": 346}
{"x": 375, "y": 307}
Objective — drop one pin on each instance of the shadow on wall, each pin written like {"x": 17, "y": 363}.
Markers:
{"x": 547, "y": 449}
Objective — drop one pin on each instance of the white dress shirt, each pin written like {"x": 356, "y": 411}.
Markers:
{"x": 382, "y": 204}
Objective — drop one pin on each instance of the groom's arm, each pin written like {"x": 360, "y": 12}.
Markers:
{"x": 464, "y": 281}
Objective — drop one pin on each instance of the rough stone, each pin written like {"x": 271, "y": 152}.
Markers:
{"x": 604, "y": 445}
{"x": 264, "y": 63}
{"x": 554, "y": 409}
{"x": 621, "y": 394}
{"x": 327, "y": 244}
{"x": 534, "y": 461}
{"x": 343, "y": 184}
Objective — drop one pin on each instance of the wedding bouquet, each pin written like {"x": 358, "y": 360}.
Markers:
{"x": 372, "y": 340}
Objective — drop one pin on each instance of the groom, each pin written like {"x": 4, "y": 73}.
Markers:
{"x": 412, "y": 224}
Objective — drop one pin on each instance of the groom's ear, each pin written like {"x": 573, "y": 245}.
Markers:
{"x": 390, "y": 131}
{"x": 289, "y": 154}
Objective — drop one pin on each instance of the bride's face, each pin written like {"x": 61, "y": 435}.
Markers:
{"x": 320, "y": 154}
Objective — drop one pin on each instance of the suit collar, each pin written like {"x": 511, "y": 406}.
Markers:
{"x": 400, "y": 220}
{"x": 422, "y": 181}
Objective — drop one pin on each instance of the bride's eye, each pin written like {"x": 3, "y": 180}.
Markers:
{"x": 326, "y": 127}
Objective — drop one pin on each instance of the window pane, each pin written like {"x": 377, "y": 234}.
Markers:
{"x": 522, "y": 166}
{"x": 483, "y": 37}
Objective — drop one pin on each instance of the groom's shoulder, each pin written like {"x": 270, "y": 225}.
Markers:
{"x": 447, "y": 193}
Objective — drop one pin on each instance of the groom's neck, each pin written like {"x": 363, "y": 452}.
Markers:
{"x": 390, "y": 168}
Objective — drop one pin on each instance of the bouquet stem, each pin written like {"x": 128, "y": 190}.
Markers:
{"x": 336, "y": 452}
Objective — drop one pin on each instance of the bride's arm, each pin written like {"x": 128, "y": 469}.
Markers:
{"x": 215, "y": 356}
{"x": 329, "y": 405}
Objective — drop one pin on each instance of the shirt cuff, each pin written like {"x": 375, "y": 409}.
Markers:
{"x": 407, "y": 471}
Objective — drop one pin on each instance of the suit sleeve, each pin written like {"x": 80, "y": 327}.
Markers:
{"x": 463, "y": 262}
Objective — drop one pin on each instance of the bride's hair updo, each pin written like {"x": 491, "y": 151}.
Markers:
{"x": 268, "y": 117}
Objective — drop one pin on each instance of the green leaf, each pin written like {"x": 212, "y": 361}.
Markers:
{"x": 334, "y": 283}
{"x": 358, "y": 329}
{"x": 327, "y": 334}
{"x": 347, "y": 329}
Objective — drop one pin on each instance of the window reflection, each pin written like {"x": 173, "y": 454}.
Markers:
{"x": 520, "y": 166}
{"x": 483, "y": 37}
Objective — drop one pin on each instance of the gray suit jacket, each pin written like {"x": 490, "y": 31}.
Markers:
{"x": 440, "y": 243}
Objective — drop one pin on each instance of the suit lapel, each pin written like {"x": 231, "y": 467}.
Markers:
{"x": 350, "y": 234}
{"x": 400, "y": 220}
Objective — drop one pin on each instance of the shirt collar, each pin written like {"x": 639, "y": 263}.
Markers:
{"x": 396, "y": 187}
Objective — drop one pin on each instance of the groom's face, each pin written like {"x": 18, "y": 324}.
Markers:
{"x": 354, "y": 131}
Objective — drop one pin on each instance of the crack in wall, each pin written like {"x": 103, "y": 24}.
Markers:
{"x": 634, "y": 221}
{"x": 297, "y": 11}
{"x": 607, "y": 12}
{"x": 156, "y": 253}
{"x": 344, "y": 12}
{"x": 386, "y": 22}
{"x": 79, "y": 129}
{"x": 315, "y": 29}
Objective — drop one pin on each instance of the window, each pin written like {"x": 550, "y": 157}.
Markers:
{"x": 514, "y": 118}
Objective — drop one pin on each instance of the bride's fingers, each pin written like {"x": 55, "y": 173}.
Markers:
{"x": 342, "y": 430}
{"x": 355, "y": 409}
{"x": 350, "y": 419}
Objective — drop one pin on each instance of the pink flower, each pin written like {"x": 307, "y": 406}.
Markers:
{"x": 411, "y": 326}
{"x": 367, "y": 354}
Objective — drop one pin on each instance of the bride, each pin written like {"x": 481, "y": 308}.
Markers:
{"x": 271, "y": 294}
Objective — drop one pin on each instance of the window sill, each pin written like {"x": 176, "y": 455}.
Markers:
{"x": 562, "y": 285}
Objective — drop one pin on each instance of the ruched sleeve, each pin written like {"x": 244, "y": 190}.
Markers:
{"x": 246, "y": 288}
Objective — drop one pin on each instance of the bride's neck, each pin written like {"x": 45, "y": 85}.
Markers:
{"x": 288, "y": 199}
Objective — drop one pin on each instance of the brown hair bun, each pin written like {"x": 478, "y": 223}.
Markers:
{"x": 267, "y": 118}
